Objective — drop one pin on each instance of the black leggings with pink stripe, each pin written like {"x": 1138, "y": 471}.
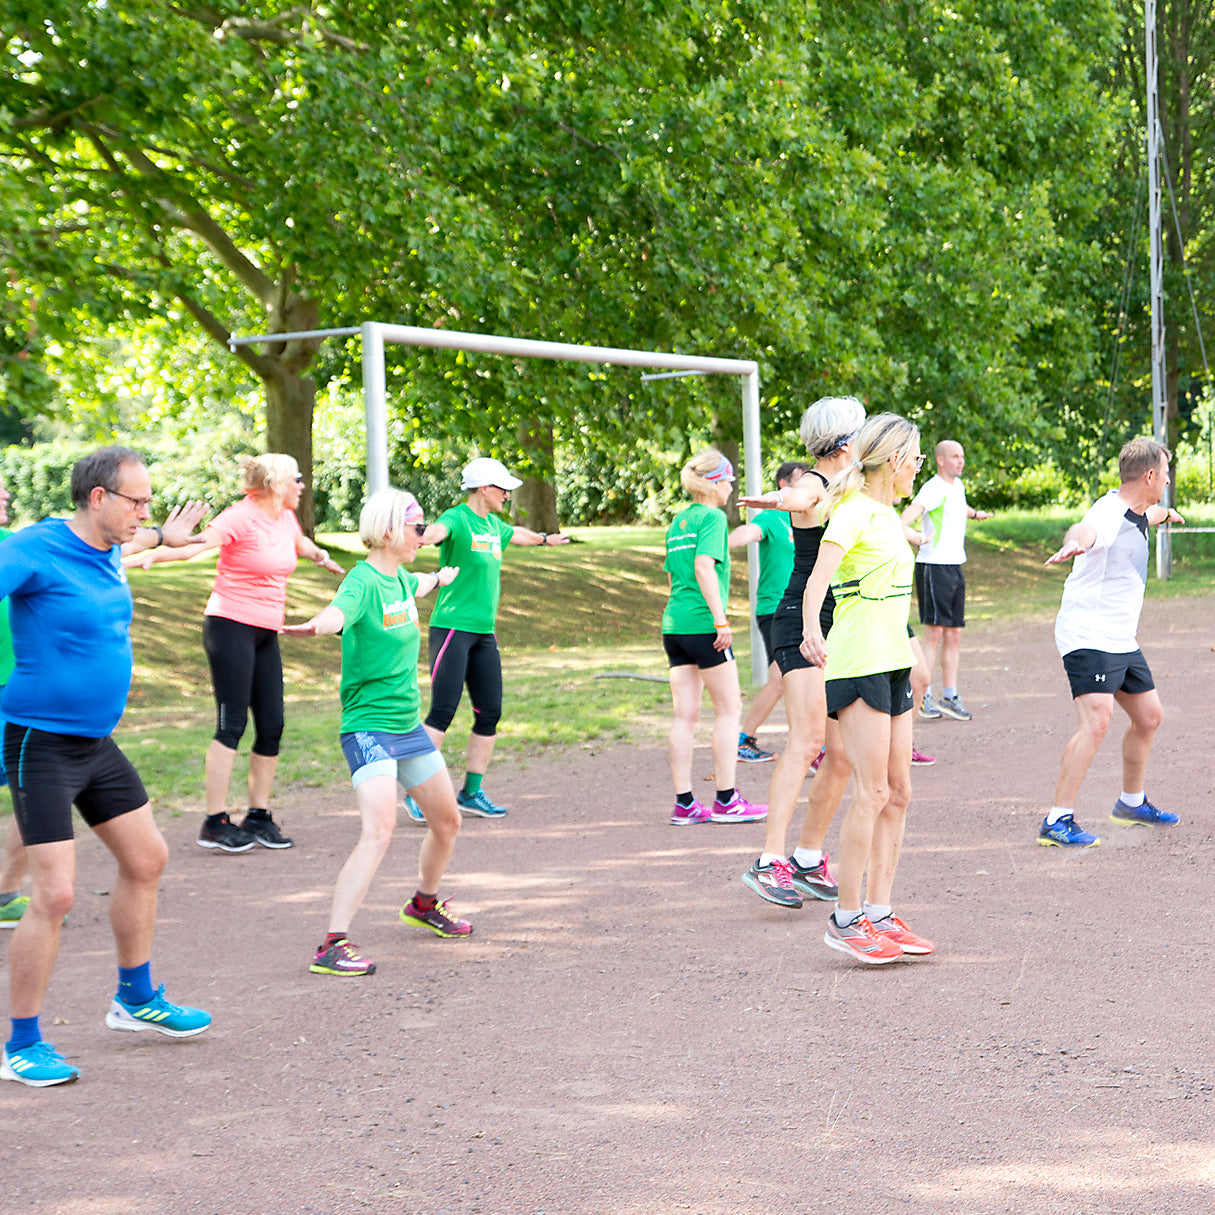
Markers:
{"x": 458, "y": 658}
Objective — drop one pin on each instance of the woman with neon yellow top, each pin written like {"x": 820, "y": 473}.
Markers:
{"x": 696, "y": 636}
{"x": 866, "y": 561}
{"x": 463, "y": 647}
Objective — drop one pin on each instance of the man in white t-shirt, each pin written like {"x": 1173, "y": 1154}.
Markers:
{"x": 1095, "y": 635}
{"x": 940, "y": 586}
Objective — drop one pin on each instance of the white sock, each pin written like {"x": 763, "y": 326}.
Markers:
{"x": 1131, "y": 799}
{"x": 808, "y": 858}
{"x": 949, "y": 693}
{"x": 875, "y": 913}
{"x": 1056, "y": 813}
{"x": 844, "y": 918}
{"x": 766, "y": 858}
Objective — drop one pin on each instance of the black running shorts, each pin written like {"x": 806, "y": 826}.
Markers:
{"x": 941, "y": 592}
{"x": 887, "y": 692}
{"x": 1096, "y": 671}
{"x": 694, "y": 649}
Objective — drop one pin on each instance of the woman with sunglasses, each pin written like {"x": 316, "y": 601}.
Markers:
{"x": 473, "y": 536}
{"x": 867, "y": 563}
{"x": 696, "y": 636}
{"x": 260, "y": 542}
{"x": 375, "y": 610}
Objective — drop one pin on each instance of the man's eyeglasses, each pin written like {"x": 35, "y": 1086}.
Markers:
{"x": 137, "y": 503}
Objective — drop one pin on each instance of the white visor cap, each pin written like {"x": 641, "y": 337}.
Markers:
{"x": 483, "y": 471}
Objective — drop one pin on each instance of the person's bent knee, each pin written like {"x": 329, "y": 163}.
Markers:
{"x": 486, "y": 725}
{"x": 148, "y": 863}
{"x": 51, "y": 897}
{"x": 439, "y": 721}
{"x": 445, "y": 822}
{"x": 229, "y": 734}
{"x": 268, "y": 745}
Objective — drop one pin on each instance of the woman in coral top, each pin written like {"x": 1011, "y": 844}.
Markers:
{"x": 259, "y": 541}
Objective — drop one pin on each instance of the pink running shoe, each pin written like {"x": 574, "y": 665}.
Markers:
{"x": 689, "y": 816}
{"x": 739, "y": 811}
{"x": 893, "y": 929}
{"x": 920, "y": 760}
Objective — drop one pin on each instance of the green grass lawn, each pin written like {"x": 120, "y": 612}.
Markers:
{"x": 568, "y": 615}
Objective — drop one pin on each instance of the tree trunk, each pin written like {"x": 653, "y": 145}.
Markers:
{"x": 290, "y": 400}
{"x": 536, "y": 499}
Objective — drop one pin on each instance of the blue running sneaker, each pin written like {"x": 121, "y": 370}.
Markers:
{"x": 1064, "y": 833}
{"x": 479, "y": 806}
{"x": 750, "y": 752}
{"x": 414, "y": 811}
{"x": 158, "y": 1014}
{"x": 1145, "y": 815}
{"x": 39, "y": 1066}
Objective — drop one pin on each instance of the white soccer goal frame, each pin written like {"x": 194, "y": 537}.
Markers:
{"x": 376, "y": 335}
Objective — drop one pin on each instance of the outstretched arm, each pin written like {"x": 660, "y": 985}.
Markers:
{"x": 327, "y": 621}
{"x": 429, "y": 582}
{"x": 525, "y": 535}
{"x": 804, "y": 496}
{"x": 1163, "y": 514}
{"x": 1079, "y": 538}
{"x": 743, "y": 534}
{"x": 311, "y": 551}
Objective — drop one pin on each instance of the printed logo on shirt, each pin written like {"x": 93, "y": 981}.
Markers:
{"x": 398, "y": 615}
{"x": 487, "y": 544}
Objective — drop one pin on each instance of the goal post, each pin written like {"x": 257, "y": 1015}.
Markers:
{"x": 376, "y": 335}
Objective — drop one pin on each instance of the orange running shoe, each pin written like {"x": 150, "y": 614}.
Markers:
{"x": 862, "y": 942}
{"x": 893, "y": 929}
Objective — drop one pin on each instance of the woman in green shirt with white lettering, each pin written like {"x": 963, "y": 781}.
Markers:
{"x": 696, "y": 636}
{"x": 375, "y": 610}
{"x": 865, "y": 559}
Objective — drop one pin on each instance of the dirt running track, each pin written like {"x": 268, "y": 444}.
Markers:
{"x": 631, "y": 1031}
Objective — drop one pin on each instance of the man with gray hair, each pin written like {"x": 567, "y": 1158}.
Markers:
{"x": 70, "y": 611}
{"x": 1095, "y": 636}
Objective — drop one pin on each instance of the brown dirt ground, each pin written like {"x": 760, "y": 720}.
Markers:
{"x": 631, "y": 1031}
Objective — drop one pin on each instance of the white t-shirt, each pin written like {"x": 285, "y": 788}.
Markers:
{"x": 944, "y": 525}
{"x": 1103, "y": 595}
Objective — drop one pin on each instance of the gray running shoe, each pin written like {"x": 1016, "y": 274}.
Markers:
{"x": 928, "y": 708}
{"x": 952, "y": 706}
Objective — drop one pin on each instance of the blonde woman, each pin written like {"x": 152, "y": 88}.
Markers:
{"x": 260, "y": 542}
{"x": 865, "y": 561}
{"x": 696, "y": 636}
{"x": 382, "y": 736}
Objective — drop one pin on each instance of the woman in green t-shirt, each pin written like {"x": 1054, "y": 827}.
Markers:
{"x": 696, "y": 636}
{"x": 463, "y": 647}
{"x": 375, "y": 610}
{"x": 866, "y": 561}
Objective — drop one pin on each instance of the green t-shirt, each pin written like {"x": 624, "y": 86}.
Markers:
{"x": 872, "y": 590}
{"x": 775, "y": 559}
{"x": 379, "y": 651}
{"x": 698, "y": 530}
{"x": 470, "y": 603}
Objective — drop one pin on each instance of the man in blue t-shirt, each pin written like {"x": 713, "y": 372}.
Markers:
{"x": 70, "y": 610}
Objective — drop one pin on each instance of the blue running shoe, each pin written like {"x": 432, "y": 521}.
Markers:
{"x": 414, "y": 811}
{"x": 158, "y": 1014}
{"x": 479, "y": 806}
{"x": 1145, "y": 815}
{"x": 1064, "y": 833}
{"x": 39, "y": 1066}
{"x": 750, "y": 752}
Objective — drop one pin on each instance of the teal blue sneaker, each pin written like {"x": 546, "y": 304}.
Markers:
{"x": 39, "y": 1066}
{"x": 414, "y": 811}
{"x": 479, "y": 806}
{"x": 1066, "y": 833}
{"x": 158, "y": 1014}
{"x": 1145, "y": 815}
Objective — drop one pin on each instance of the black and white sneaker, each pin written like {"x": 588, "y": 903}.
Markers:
{"x": 265, "y": 831}
{"x": 225, "y": 836}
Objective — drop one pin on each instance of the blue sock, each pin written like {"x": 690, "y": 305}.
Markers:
{"x": 135, "y": 984}
{"x": 26, "y": 1032}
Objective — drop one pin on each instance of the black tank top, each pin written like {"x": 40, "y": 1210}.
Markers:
{"x": 806, "y": 541}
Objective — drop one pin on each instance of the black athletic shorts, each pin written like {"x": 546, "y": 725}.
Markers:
{"x": 764, "y": 624}
{"x": 694, "y": 649}
{"x": 941, "y": 592}
{"x": 1096, "y": 671}
{"x": 887, "y": 692}
{"x": 48, "y": 772}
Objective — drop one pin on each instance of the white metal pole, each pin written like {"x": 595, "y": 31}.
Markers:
{"x": 1160, "y": 427}
{"x": 376, "y": 407}
{"x": 753, "y": 479}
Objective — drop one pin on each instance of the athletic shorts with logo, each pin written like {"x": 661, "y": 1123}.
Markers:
{"x": 1091, "y": 671}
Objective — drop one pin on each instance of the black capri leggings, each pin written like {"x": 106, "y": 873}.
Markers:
{"x": 247, "y": 674}
{"x": 458, "y": 658}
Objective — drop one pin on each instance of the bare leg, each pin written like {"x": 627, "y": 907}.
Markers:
{"x": 376, "y": 799}
{"x": 477, "y": 753}
{"x": 865, "y": 734}
{"x": 1146, "y": 713}
{"x": 932, "y": 642}
{"x": 724, "y": 692}
{"x": 219, "y": 762}
{"x": 951, "y": 644}
{"x": 35, "y": 943}
{"x": 921, "y": 674}
{"x": 763, "y": 702}
{"x": 826, "y": 792}
{"x": 686, "y": 693}
{"x": 14, "y": 865}
{"x": 1094, "y": 711}
{"x": 438, "y": 804}
{"x": 141, "y": 853}
{"x": 261, "y": 779}
{"x": 806, "y": 710}
{"x": 892, "y": 819}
